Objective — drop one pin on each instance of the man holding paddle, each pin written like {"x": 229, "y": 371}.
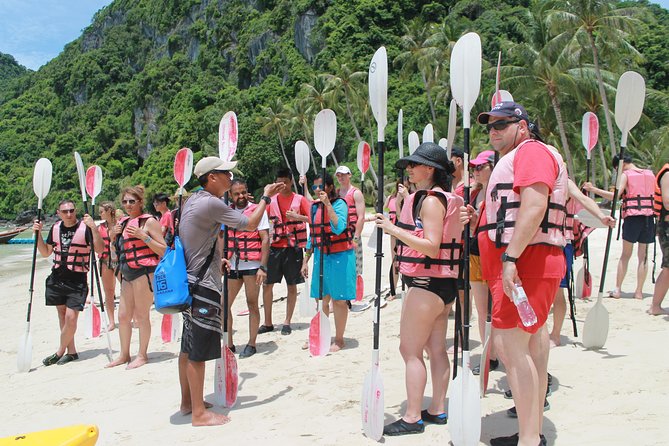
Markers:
{"x": 70, "y": 241}
{"x": 201, "y": 220}
{"x": 521, "y": 239}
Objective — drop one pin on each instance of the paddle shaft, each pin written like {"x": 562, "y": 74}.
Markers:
{"x": 572, "y": 305}
{"x": 32, "y": 268}
{"x": 465, "y": 310}
{"x": 322, "y": 245}
{"x": 225, "y": 281}
{"x": 379, "y": 242}
{"x": 613, "y": 215}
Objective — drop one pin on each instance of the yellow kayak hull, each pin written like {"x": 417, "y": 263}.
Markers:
{"x": 79, "y": 435}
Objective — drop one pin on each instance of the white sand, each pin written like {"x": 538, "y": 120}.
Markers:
{"x": 619, "y": 395}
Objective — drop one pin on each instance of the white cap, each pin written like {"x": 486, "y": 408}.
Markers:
{"x": 343, "y": 169}
{"x": 210, "y": 163}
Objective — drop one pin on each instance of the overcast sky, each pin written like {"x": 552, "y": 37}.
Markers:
{"x": 36, "y": 31}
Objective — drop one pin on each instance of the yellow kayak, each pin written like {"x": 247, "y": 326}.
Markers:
{"x": 79, "y": 435}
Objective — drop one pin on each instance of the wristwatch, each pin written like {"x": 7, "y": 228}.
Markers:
{"x": 263, "y": 268}
{"x": 266, "y": 199}
{"x": 508, "y": 258}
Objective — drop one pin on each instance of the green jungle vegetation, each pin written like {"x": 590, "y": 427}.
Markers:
{"x": 148, "y": 77}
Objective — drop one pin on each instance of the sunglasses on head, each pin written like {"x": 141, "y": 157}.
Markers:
{"x": 500, "y": 125}
{"x": 128, "y": 201}
{"x": 67, "y": 211}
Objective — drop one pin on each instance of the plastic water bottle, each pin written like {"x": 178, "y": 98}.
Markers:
{"x": 525, "y": 310}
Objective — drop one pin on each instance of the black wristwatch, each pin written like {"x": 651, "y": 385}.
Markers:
{"x": 508, "y": 258}
{"x": 266, "y": 199}
{"x": 263, "y": 268}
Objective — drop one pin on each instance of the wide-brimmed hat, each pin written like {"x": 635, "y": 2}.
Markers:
{"x": 507, "y": 109}
{"x": 487, "y": 156}
{"x": 428, "y": 154}
{"x": 212, "y": 163}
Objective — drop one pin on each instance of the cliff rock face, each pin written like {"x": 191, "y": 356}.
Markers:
{"x": 145, "y": 126}
{"x": 303, "y": 27}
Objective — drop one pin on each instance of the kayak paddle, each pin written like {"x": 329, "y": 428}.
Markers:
{"x": 372, "y": 406}
{"x": 93, "y": 188}
{"x": 302, "y": 164}
{"x": 41, "y": 185}
{"x": 325, "y": 134}
{"x": 363, "y": 155}
{"x": 464, "y": 405}
{"x": 414, "y": 142}
{"x": 428, "y": 133}
{"x": 226, "y": 375}
{"x": 630, "y": 97}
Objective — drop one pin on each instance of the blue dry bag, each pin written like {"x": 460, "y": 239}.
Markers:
{"x": 170, "y": 281}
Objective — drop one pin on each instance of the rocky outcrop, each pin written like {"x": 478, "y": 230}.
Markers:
{"x": 145, "y": 127}
{"x": 304, "y": 25}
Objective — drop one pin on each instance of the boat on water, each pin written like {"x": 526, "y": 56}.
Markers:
{"x": 6, "y": 236}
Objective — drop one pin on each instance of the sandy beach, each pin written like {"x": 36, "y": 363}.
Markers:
{"x": 618, "y": 395}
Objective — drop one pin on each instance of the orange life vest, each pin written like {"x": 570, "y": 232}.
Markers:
{"x": 245, "y": 244}
{"x": 322, "y": 235}
{"x": 78, "y": 254}
{"x": 638, "y": 195}
{"x": 416, "y": 264}
{"x": 658, "y": 204}
{"x": 137, "y": 253}
{"x": 293, "y": 232}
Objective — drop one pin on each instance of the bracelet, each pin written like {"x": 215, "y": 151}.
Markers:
{"x": 147, "y": 239}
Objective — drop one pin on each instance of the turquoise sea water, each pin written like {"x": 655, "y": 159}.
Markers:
{"x": 16, "y": 259}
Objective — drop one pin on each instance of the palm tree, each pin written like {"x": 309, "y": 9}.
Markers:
{"x": 302, "y": 120}
{"x": 599, "y": 22}
{"x": 317, "y": 93}
{"x": 274, "y": 120}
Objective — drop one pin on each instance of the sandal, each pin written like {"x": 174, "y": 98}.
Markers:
{"x": 401, "y": 427}
{"x": 68, "y": 358}
{"x": 51, "y": 360}
{"x": 427, "y": 417}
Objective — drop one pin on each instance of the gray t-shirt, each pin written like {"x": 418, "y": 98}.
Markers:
{"x": 200, "y": 223}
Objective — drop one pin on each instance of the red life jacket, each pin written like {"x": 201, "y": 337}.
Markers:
{"x": 416, "y": 264}
{"x": 246, "y": 244}
{"x": 352, "y": 210}
{"x": 638, "y": 195}
{"x": 104, "y": 233}
{"x": 658, "y": 204}
{"x": 79, "y": 253}
{"x": 137, "y": 253}
{"x": 294, "y": 233}
{"x": 322, "y": 235}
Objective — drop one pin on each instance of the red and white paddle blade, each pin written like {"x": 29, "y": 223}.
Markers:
{"x": 166, "y": 328}
{"x": 97, "y": 322}
{"x": 93, "y": 181}
{"x": 359, "y": 288}
{"x": 428, "y": 133}
{"x": 414, "y": 142}
{"x": 364, "y": 152}
{"x": 319, "y": 335}
{"x": 227, "y": 136}
{"x": 500, "y": 96}
{"x": 589, "y": 131}
{"x": 183, "y": 166}
{"x": 226, "y": 379}
{"x": 372, "y": 404}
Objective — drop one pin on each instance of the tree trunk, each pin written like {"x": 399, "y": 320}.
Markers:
{"x": 350, "y": 116}
{"x": 283, "y": 152}
{"x": 605, "y": 171}
{"x": 429, "y": 97}
{"x": 563, "y": 133}
{"x": 602, "y": 93}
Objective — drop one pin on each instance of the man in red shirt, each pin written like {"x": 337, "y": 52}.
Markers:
{"x": 288, "y": 215}
{"x": 520, "y": 240}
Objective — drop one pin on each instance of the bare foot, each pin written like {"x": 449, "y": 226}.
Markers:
{"x": 638, "y": 296}
{"x": 209, "y": 418}
{"x": 336, "y": 346}
{"x": 187, "y": 410}
{"x": 657, "y": 311}
{"x": 555, "y": 342}
{"x": 111, "y": 326}
{"x": 615, "y": 293}
{"x": 137, "y": 362}
{"x": 119, "y": 361}
{"x": 305, "y": 346}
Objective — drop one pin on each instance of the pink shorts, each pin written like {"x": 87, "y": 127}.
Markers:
{"x": 540, "y": 294}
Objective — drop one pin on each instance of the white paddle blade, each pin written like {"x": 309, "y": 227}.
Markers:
{"x": 596, "y": 327}
{"x": 307, "y": 304}
{"x": 81, "y": 174}
{"x": 227, "y": 136}
{"x": 378, "y": 89}
{"x": 400, "y": 133}
{"x": 93, "y": 181}
{"x": 414, "y": 142}
{"x": 428, "y": 133}
{"x": 183, "y": 166}
{"x": 589, "y": 131}
{"x": 325, "y": 133}
{"x": 372, "y": 404}
{"x": 452, "y": 124}
{"x": 364, "y": 152}
{"x": 42, "y": 179}
{"x": 578, "y": 283}
{"x": 466, "y": 73}
{"x": 443, "y": 143}
{"x": 25, "y": 355}
{"x": 464, "y": 407}
{"x": 630, "y": 97}
{"x": 302, "y": 157}
{"x": 589, "y": 220}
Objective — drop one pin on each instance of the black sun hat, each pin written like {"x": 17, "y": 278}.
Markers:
{"x": 428, "y": 154}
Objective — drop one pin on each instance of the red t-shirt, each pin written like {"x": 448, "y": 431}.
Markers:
{"x": 166, "y": 221}
{"x": 284, "y": 206}
{"x": 526, "y": 173}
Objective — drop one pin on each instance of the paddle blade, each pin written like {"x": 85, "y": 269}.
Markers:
{"x": 596, "y": 327}
{"x": 226, "y": 378}
{"x": 88, "y": 321}
{"x": 428, "y": 133}
{"x": 413, "y": 142}
{"x": 372, "y": 404}
{"x": 319, "y": 335}
{"x": 378, "y": 89}
{"x": 325, "y": 133}
{"x": 359, "y": 288}
{"x": 166, "y": 328}
{"x": 400, "y": 133}
{"x": 484, "y": 365}
{"x": 25, "y": 354}
{"x": 589, "y": 131}
{"x": 183, "y": 166}
{"x": 364, "y": 152}
{"x": 97, "y": 322}
{"x": 464, "y": 407}
{"x": 42, "y": 179}
{"x": 578, "y": 283}
{"x": 452, "y": 123}
{"x": 500, "y": 96}
{"x": 466, "y": 73}
{"x": 81, "y": 174}
{"x": 630, "y": 97}
{"x": 589, "y": 220}
{"x": 93, "y": 181}
{"x": 443, "y": 143}
{"x": 302, "y": 157}
{"x": 307, "y": 304}
{"x": 227, "y": 136}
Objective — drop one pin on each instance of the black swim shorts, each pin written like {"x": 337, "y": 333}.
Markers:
{"x": 201, "y": 336}
{"x": 284, "y": 263}
{"x": 639, "y": 229}
{"x": 445, "y": 289}
{"x": 70, "y": 293}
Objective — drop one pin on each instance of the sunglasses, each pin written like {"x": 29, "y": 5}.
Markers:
{"x": 500, "y": 125}
{"x": 413, "y": 164}
{"x": 67, "y": 211}
{"x": 478, "y": 168}
{"x": 316, "y": 186}
{"x": 128, "y": 201}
